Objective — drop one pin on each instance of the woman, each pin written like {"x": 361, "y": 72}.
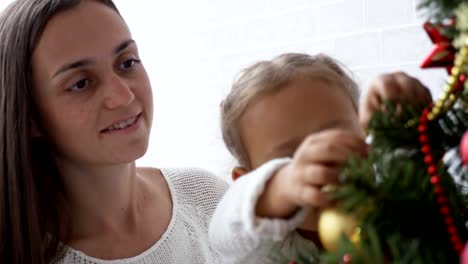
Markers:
{"x": 76, "y": 109}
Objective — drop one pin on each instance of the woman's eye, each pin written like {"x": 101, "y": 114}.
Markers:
{"x": 79, "y": 85}
{"x": 129, "y": 64}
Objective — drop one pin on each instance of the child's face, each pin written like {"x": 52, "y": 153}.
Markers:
{"x": 93, "y": 97}
{"x": 276, "y": 124}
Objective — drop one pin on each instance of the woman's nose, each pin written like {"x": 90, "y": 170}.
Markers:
{"x": 118, "y": 93}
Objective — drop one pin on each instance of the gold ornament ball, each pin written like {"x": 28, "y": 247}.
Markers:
{"x": 332, "y": 224}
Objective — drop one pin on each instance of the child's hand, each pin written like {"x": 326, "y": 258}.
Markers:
{"x": 396, "y": 87}
{"x": 315, "y": 164}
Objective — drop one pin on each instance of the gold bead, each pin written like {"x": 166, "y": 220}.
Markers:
{"x": 452, "y": 80}
{"x": 456, "y": 71}
{"x": 464, "y": 50}
{"x": 356, "y": 236}
{"x": 430, "y": 116}
{"x": 439, "y": 104}
{"x": 436, "y": 111}
{"x": 459, "y": 60}
{"x": 448, "y": 88}
{"x": 452, "y": 97}
{"x": 444, "y": 96}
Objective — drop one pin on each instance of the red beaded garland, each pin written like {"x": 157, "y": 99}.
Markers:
{"x": 423, "y": 139}
{"x": 462, "y": 78}
{"x": 452, "y": 230}
{"x": 448, "y": 220}
{"x": 432, "y": 170}
{"x": 435, "y": 179}
{"x": 422, "y": 128}
{"x": 441, "y": 200}
{"x": 445, "y": 210}
{"x": 426, "y": 149}
{"x": 428, "y": 159}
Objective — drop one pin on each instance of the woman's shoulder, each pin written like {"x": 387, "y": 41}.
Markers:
{"x": 195, "y": 191}
{"x": 190, "y": 183}
{"x": 194, "y": 180}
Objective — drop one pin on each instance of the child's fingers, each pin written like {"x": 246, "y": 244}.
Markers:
{"x": 384, "y": 87}
{"x": 389, "y": 86}
{"x": 412, "y": 90}
{"x": 395, "y": 87}
{"x": 319, "y": 175}
{"x": 330, "y": 147}
{"x": 312, "y": 196}
{"x": 371, "y": 103}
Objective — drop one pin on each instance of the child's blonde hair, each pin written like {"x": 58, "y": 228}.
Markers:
{"x": 267, "y": 77}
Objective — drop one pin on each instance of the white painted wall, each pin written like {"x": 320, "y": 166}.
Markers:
{"x": 192, "y": 50}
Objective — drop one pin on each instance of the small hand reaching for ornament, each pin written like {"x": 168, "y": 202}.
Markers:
{"x": 315, "y": 164}
{"x": 395, "y": 87}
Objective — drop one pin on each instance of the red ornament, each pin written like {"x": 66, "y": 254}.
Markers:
{"x": 443, "y": 54}
{"x": 464, "y": 148}
{"x": 432, "y": 170}
{"x": 434, "y": 33}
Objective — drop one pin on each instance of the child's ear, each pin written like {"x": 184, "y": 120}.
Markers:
{"x": 35, "y": 132}
{"x": 237, "y": 172}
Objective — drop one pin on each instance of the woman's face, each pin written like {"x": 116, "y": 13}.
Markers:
{"x": 90, "y": 88}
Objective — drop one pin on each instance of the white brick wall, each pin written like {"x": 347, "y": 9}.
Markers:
{"x": 193, "y": 48}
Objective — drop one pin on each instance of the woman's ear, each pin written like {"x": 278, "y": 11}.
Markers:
{"x": 35, "y": 132}
{"x": 238, "y": 172}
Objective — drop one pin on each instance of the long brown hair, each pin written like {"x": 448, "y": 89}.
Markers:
{"x": 31, "y": 191}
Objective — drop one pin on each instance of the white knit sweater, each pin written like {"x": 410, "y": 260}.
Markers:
{"x": 242, "y": 237}
{"x": 195, "y": 194}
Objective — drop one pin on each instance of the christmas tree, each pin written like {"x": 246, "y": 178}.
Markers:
{"x": 407, "y": 201}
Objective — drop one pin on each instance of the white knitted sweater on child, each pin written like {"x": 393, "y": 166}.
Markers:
{"x": 242, "y": 237}
{"x": 195, "y": 194}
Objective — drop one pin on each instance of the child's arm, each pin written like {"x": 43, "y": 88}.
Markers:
{"x": 235, "y": 231}
{"x": 315, "y": 164}
{"x": 264, "y": 206}
{"x": 396, "y": 87}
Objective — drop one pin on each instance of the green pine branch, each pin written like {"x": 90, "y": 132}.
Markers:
{"x": 390, "y": 194}
{"x": 439, "y": 10}
{"x": 393, "y": 190}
